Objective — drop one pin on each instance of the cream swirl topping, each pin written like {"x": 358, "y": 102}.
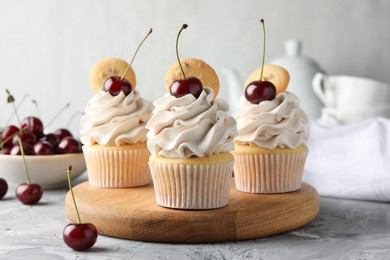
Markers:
{"x": 115, "y": 120}
{"x": 276, "y": 123}
{"x": 188, "y": 126}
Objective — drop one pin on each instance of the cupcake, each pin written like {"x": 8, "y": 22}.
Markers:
{"x": 270, "y": 150}
{"x": 113, "y": 128}
{"x": 190, "y": 139}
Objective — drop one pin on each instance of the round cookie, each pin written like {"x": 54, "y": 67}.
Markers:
{"x": 193, "y": 68}
{"x": 106, "y": 68}
{"x": 276, "y": 74}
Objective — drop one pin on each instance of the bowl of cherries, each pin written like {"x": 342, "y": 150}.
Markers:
{"x": 46, "y": 154}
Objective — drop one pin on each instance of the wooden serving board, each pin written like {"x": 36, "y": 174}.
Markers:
{"x": 134, "y": 214}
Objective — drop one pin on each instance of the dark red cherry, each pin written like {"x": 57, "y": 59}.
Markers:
{"x": 81, "y": 236}
{"x": 51, "y": 138}
{"x": 62, "y": 133}
{"x": 26, "y": 137}
{"x": 29, "y": 194}
{"x": 7, "y": 133}
{"x": 190, "y": 85}
{"x": 115, "y": 85}
{"x": 68, "y": 145}
{"x": 34, "y": 125}
{"x": 26, "y": 147}
{"x": 258, "y": 91}
{"x": 3, "y": 187}
{"x": 6, "y": 150}
{"x": 43, "y": 148}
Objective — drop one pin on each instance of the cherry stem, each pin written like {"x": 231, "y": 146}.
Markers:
{"x": 24, "y": 161}
{"x": 37, "y": 108}
{"x": 10, "y": 99}
{"x": 18, "y": 106}
{"x": 184, "y": 26}
{"x": 58, "y": 114}
{"x": 132, "y": 59}
{"x": 71, "y": 192}
{"x": 73, "y": 117}
{"x": 262, "y": 62}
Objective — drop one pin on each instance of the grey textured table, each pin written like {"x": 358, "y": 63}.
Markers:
{"x": 344, "y": 229}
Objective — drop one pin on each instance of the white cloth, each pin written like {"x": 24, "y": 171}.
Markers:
{"x": 350, "y": 161}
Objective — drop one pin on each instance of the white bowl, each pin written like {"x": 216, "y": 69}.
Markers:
{"x": 49, "y": 171}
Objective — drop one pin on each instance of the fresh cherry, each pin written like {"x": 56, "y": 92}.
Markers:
{"x": 190, "y": 85}
{"x": 26, "y": 136}
{"x": 81, "y": 236}
{"x": 3, "y": 187}
{"x": 43, "y": 148}
{"x": 6, "y": 150}
{"x": 28, "y": 150}
{"x": 260, "y": 90}
{"x": 69, "y": 145}
{"x": 78, "y": 236}
{"x": 8, "y": 133}
{"x": 62, "y": 133}
{"x": 116, "y": 85}
{"x": 34, "y": 125}
{"x": 52, "y": 138}
{"x": 29, "y": 194}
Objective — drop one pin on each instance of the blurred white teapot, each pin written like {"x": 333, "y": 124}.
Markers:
{"x": 302, "y": 70}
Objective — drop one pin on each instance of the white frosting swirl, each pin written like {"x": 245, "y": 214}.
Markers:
{"x": 188, "y": 126}
{"x": 276, "y": 123}
{"x": 115, "y": 120}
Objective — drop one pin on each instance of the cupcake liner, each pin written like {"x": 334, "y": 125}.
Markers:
{"x": 269, "y": 173}
{"x": 117, "y": 168}
{"x": 196, "y": 186}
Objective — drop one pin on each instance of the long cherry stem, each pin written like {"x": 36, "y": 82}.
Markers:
{"x": 10, "y": 99}
{"x": 79, "y": 113}
{"x": 184, "y": 26}
{"x": 24, "y": 161}
{"x": 37, "y": 108}
{"x": 58, "y": 114}
{"x": 18, "y": 106}
{"x": 71, "y": 192}
{"x": 132, "y": 59}
{"x": 262, "y": 62}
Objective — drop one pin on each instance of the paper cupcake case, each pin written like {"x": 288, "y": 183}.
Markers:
{"x": 269, "y": 173}
{"x": 117, "y": 168}
{"x": 192, "y": 186}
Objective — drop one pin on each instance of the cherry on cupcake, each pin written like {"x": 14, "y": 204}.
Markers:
{"x": 115, "y": 84}
{"x": 260, "y": 90}
{"x": 187, "y": 85}
{"x": 78, "y": 236}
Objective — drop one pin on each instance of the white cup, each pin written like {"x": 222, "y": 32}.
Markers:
{"x": 347, "y": 116}
{"x": 346, "y": 92}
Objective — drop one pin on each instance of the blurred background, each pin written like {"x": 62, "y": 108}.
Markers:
{"x": 48, "y": 47}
